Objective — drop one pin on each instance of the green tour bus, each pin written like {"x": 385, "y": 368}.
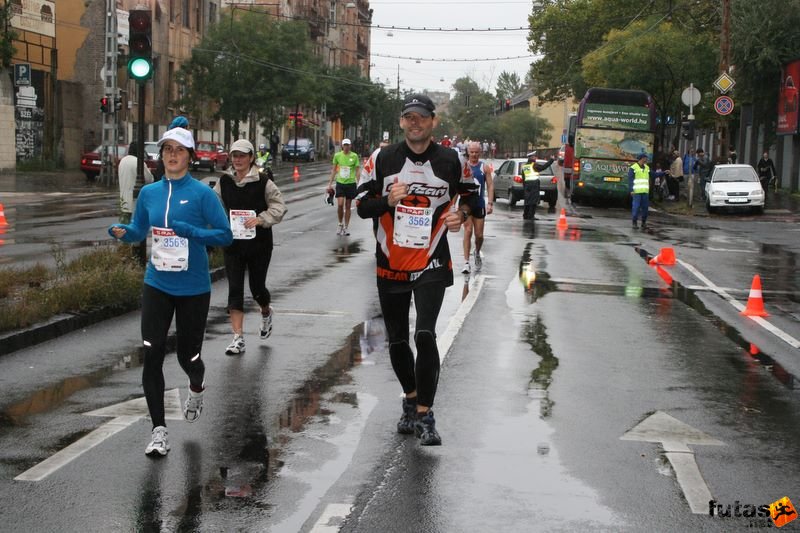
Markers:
{"x": 613, "y": 127}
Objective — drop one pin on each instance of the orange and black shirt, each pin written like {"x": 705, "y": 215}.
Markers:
{"x": 411, "y": 246}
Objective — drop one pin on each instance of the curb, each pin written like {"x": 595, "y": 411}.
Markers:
{"x": 67, "y": 323}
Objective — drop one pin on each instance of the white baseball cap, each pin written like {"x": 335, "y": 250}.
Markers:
{"x": 346, "y": 141}
{"x": 242, "y": 145}
{"x": 180, "y": 136}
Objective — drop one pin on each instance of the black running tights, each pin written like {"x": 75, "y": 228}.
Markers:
{"x": 423, "y": 376}
{"x": 190, "y": 313}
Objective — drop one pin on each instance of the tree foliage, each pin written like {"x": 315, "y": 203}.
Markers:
{"x": 764, "y": 37}
{"x": 250, "y": 64}
{"x": 662, "y": 63}
{"x": 508, "y": 84}
{"x": 7, "y": 36}
{"x": 564, "y": 32}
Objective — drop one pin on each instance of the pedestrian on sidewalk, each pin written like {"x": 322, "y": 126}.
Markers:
{"x": 639, "y": 184}
{"x": 345, "y": 174}
{"x": 675, "y": 176}
{"x": 703, "y": 166}
{"x": 183, "y": 216}
{"x": 482, "y": 173}
{"x": 409, "y": 190}
{"x": 254, "y": 204}
{"x": 127, "y": 181}
{"x": 766, "y": 171}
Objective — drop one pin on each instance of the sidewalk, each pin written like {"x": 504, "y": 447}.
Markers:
{"x": 781, "y": 202}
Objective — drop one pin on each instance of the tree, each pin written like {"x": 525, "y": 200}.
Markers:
{"x": 663, "y": 63}
{"x": 508, "y": 84}
{"x": 470, "y": 110}
{"x": 563, "y": 32}
{"x": 760, "y": 45}
{"x": 7, "y": 37}
{"x": 248, "y": 65}
{"x": 520, "y": 128}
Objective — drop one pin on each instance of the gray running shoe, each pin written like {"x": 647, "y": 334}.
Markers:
{"x": 158, "y": 444}
{"x": 409, "y": 417}
{"x": 193, "y": 406}
{"x": 425, "y": 430}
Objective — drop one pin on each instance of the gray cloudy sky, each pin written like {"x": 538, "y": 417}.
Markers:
{"x": 448, "y": 45}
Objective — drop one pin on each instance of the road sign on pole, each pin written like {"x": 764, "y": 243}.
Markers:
{"x": 690, "y": 96}
{"x": 723, "y": 105}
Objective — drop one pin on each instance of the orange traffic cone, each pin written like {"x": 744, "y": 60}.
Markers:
{"x": 562, "y": 220}
{"x": 296, "y": 173}
{"x": 665, "y": 257}
{"x": 755, "y": 303}
{"x": 3, "y": 221}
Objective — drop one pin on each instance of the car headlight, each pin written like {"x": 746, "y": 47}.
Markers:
{"x": 757, "y": 192}
{"x": 717, "y": 193}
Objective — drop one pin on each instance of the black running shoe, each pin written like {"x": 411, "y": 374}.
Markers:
{"x": 425, "y": 429}
{"x": 409, "y": 418}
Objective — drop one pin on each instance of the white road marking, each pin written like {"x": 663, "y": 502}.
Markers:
{"x": 335, "y": 513}
{"x": 125, "y": 414}
{"x": 674, "y": 437}
{"x": 791, "y": 341}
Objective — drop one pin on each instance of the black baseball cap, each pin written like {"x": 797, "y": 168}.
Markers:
{"x": 418, "y": 103}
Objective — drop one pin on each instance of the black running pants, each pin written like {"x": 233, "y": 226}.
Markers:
{"x": 256, "y": 262}
{"x": 422, "y": 376}
{"x": 190, "y": 313}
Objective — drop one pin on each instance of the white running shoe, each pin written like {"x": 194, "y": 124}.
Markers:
{"x": 478, "y": 261}
{"x": 266, "y": 324}
{"x": 345, "y": 231}
{"x": 193, "y": 406}
{"x": 465, "y": 270}
{"x": 236, "y": 346}
{"x": 340, "y": 230}
{"x": 158, "y": 443}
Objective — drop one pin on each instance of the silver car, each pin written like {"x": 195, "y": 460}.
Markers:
{"x": 734, "y": 187}
{"x": 509, "y": 183}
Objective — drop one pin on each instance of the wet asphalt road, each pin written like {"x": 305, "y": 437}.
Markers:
{"x": 540, "y": 384}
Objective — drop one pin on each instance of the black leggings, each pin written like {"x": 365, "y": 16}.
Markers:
{"x": 424, "y": 377}
{"x": 190, "y": 313}
{"x": 256, "y": 263}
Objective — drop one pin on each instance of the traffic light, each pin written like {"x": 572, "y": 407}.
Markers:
{"x": 140, "y": 62}
{"x": 117, "y": 103}
{"x": 104, "y": 107}
{"x": 687, "y": 130}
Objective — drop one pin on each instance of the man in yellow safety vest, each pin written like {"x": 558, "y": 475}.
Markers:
{"x": 639, "y": 184}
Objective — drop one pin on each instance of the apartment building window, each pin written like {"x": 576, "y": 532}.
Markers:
{"x": 172, "y": 10}
{"x": 332, "y": 15}
{"x": 212, "y": 13}
{"x": 198, "y": 15}
{"x": 186, "y": 11}
{"x": 171, "y": 83}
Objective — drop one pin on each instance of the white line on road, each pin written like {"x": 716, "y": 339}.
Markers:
{"x": 125, "y": 414}
{"x": 335, "y": 513}
{"x": 791, "y": 341}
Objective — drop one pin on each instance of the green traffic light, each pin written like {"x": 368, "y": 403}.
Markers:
{"x": 140, "y": 68}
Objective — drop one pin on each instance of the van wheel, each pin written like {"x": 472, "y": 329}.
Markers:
{"x": 511, "y": 200}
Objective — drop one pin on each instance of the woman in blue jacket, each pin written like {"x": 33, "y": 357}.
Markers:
{"x": 183, "y": 216}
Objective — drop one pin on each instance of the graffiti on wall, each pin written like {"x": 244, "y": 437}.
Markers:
{"x": 29, "y": 117}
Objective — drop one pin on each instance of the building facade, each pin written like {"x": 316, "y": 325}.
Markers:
{"x": 63, "y": 52}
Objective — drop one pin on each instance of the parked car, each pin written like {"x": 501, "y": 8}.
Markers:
{"x": 301, "y": 149}
{"x": 508, "y": 182}
{"x": 91, "y": 162}
{"x": 734, "y": 187}
{"x": 210, "y": 155}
